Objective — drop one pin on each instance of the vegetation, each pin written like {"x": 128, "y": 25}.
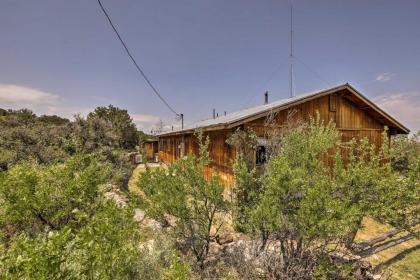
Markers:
{"x": 304, "y": 209}
{"x": 183, "y": 192}
{"x": 122, "y": 125}
{"x": 313, "y": 210}
{"x": 247, "y": 187}
{"x": 25, "y": 136}
{"x": 108, "y": 132}
{"x": 55, "y": 222}
{"x": 296, "y": 217}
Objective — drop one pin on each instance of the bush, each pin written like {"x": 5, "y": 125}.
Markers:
{"x": 55, "y": 224}
{"x": 315, "y": 193}
{"x": 182, "y": 192}
{"x": 37, "y": 198}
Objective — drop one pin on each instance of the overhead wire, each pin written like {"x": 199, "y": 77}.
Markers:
{"x": 280, "y": 66}
{"x": 268, "y": 80}
{"x": 155, "y": 91}
{"x": 319, "y": 76}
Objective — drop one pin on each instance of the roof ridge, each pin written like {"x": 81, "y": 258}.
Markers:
{"x": 240, "y": 115}
{"x": 275, "y": 101}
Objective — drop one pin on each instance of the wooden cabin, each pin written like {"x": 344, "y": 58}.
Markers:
{"x": 355, "y": 117}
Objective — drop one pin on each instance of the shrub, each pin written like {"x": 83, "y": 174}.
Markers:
{"x": 182, "y": 192}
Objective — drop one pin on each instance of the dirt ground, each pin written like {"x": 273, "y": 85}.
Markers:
{"x": 402, "y": 260}
{"x": 132, "y": 183}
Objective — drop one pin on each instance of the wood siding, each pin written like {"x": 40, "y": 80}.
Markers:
{"x": 150, "y": 149}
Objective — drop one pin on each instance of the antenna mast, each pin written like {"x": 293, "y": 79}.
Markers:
{"x": 292, "y": 93}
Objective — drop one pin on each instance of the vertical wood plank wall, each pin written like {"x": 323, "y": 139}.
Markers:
{"x": 350, "y": 119}
{"x": 150, "y": 148}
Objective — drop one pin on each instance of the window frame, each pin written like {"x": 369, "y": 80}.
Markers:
{"x": 258, "y": 160}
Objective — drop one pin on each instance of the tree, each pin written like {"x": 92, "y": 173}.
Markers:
{"x": 121, "y": 124}
{"x": 247, "y": 186}
{"x": 48, "y": 140}
{"x": 53, "y": 120}
{"x": 92, "y": 135}
{"x": 56, "y": 224}
{"x": 36, "y": 198}
{"x": 405, "y": 151}
{"x": 183, "y": 192}
{"x": 24, "y": 136}
{"x": 315, "y": 193}
{"x": 52, "y": 139}
{"x": 106, "y": 247}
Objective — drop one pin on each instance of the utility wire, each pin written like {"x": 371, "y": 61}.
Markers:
{"x": 313, "y": 71}
{"x": 271, "y": 76}
{"x": 275, "y": 71}
{"x": 135, "y": 63}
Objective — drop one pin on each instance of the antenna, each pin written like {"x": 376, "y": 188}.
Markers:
{"x": 292, "y": 93}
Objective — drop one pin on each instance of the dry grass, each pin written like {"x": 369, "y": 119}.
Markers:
{"x": 402, "y": 260}
{"x": 132, "y": 183}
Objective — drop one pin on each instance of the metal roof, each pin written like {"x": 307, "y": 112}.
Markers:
{"x": 249, "y": 112}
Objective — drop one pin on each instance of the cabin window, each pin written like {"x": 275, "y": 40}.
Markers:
{"x": 261, "y": 155}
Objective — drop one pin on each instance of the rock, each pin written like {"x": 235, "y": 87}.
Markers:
{"x": 148, "y": 245}
{"x": 139, "y": 215}
{"x": 119, "y": 199}
{"x": 151, "y": 224}
{"x": 242, "y": 248}
{"x": 224, "y": 239}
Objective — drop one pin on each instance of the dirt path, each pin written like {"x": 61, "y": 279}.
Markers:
{"x": 132, "y": 183}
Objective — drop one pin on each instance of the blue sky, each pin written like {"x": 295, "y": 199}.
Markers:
{"x": 61, "y": 57}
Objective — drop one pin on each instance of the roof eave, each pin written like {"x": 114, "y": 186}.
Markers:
{"x": 397, "y": 124}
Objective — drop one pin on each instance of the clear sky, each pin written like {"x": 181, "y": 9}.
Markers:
{"x": 61, "y": 57}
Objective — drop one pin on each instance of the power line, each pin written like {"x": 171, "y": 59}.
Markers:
{"x": 262, "y": 86}
{"x": 135, "y": 63}
{"x": 276, "y": 70}
{"x": 319, "y": 76}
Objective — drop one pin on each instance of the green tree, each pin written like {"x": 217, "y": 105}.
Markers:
{"x": 24, "y": 136}
{"x": 183, "y": 192}
{"x": 315, "y": 193}
{"x": 92, "y": 135}
{"x": 36, "y": 197}
{"x": 405, "y": 151}
{"x": 106, "y": 247}
{"x": 56, "y": 224}
{"x": 121, "y": 124}
{"x": 247, "y": 185}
